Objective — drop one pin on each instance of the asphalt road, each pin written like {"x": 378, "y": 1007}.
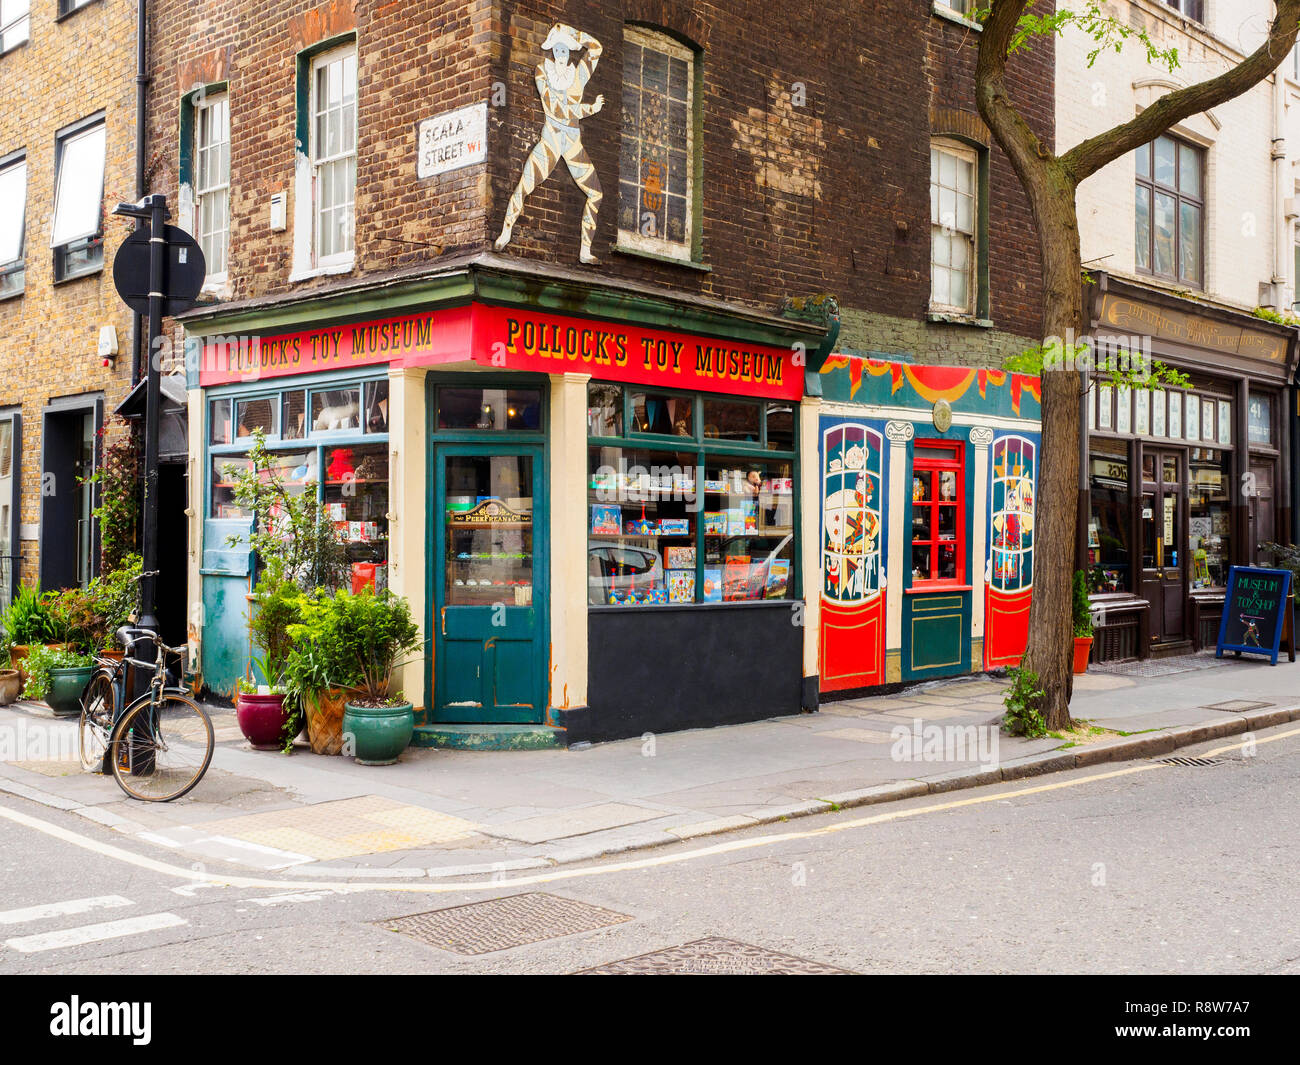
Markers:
{"x": 1119, "y": 869}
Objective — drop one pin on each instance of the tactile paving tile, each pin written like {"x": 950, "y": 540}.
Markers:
{"x": 368, "y": 824}
{"x": 715, "y": 956}
{"x": 499, "y": 924}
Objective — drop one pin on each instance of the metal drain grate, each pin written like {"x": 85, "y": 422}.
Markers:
{"x": 1236, "y": 706}
{"x": 715, "y": 956}
{"x": 1191, "y": 762}
{"x": 499, "y": 924}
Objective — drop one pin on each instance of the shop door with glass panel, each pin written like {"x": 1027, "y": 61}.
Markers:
{"x": 1163, "y": 557}
{"x": 489, "y": 585}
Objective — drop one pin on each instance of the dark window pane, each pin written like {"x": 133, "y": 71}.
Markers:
{"x": 780, "y": 426}
{"x": 376, "y": 419}
{"x": 728, "y": 420}
{"x": 293, "y": 418}
{"x": 604, "y": 410}
{"x": 654, "y": 412}
{"x": 489, "y": 408}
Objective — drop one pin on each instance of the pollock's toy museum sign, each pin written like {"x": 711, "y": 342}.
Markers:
{"x": 507, "y": 338}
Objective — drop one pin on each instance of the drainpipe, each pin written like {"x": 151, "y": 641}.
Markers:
{"x": 141, "y": 99}
{"x": 1282, "y": 243}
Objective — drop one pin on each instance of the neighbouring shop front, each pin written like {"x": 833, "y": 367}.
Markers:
{"x": 1181, "y": 484}
{"x": 927, "y": 478}
{"x": 596, "y": 517}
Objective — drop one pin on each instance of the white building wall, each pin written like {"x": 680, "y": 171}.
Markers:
{"x": 1245, "y": 223}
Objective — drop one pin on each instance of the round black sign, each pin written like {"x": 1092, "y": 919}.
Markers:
{"x": 182, "y": 277}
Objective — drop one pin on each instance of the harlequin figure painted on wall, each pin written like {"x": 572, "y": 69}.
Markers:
{"x": 561, "y": 85}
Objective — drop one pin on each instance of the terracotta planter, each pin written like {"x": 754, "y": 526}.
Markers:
{"x": 115, "y": 654}
{"x": 11, "y": 683}
{"x": 378, "y": 733}
{"x": 325, "y": 720}
{"x": 262, "y": 719}
{"x": 1082, "y": 649}
{"x": 17, "y": 656}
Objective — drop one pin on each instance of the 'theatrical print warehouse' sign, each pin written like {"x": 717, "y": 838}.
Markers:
{"x": 507, "y": 338}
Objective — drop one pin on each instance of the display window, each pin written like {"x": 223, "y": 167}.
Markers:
{"x": 489, "y": 409}
{"x": 489, "y": 530}
{"x": 1110, "y": 516}
{"x": 938, "y": 515}
{"x": 1209, "y": 509}
{"x": 1013, "y": 514}
{"x": 707, "y": 517}
{"x": 347, "y": 470}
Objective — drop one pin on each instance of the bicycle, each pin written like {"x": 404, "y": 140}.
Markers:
{"x": 160, "y": 744}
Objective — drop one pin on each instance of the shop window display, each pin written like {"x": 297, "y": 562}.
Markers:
{"x": 851, "y": 491}
{"x": 489, "y": 408}
{"x": 748, "y": 529}
{"x": 1209, "y": 510}
{"x": 1110, "y": 517}
{"x": 489, "y": 530}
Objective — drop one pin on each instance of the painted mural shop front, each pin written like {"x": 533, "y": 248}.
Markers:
{"x": 928, "y": 484}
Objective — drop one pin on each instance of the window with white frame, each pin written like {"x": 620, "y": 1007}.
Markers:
{"x": 67, "y": 7}
{"x": 1193, "y": 9}
{"x": 954, "y": 199}
{"x": 334, "y": 154}
{"x": 78, "y": 231}
{"x": 657, "y": 160}
{"x": 15, "y": 23}
{"x": 13, "y": 225}
{"x": 212, "y": 180}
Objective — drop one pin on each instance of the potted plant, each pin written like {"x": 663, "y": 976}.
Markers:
{"x": 28, "y": 623}
{"x": 1082, "y": 622}
{"x": 58, "y": 676}
{"x": 320, "y": 671}
{"x": 376, "y": 631}
{"x": 267, "y": 719}
{"x": 11, "y": 683}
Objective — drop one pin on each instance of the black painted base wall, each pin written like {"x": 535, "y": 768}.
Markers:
{"x": 659, "y": 669}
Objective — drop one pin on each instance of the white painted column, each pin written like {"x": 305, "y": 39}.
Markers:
{"x": 810, "y": 515}
{"x": 897, "y": 497}
{"x": 408, "y": 503}
{"x": 567, "y": 445}
{"x": 980, "y": 438}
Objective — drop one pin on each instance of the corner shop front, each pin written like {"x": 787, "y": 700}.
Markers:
{"x": 596, "y": 518}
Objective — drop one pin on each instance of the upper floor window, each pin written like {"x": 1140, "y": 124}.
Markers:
{"x": 334, "y": 153}
{"x": 657, "y": 160}
{"x": 954, "y": 201}
{"x": 78, "y": 232}
{"x": 1193, "y": 9}
{"x": 13, "y": 225}
{"x": 212, "y": 180}
{"x": 15, "y": 25}
{"x": 1170, "y": 210}
{"x": 67, "y": 7}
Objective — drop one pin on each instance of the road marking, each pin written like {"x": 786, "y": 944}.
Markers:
{"x": 94, "y": 933}
{"x": 730, "y": 846}
{"x": 63, "y": 909}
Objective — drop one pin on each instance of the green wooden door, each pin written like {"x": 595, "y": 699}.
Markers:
{"x": 489, "y": 584}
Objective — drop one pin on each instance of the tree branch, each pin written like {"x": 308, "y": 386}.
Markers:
{"x": 1089, "y": 156}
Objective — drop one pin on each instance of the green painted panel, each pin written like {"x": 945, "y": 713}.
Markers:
{"x": 225, "y": 631}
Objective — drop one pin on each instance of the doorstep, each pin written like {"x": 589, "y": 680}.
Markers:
{"x": 488, "y": 737}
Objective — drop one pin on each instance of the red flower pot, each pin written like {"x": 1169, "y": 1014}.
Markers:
{"x": 262, "y": 719}
{"x": 1082, "y": 649}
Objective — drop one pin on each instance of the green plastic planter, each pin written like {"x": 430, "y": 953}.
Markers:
{"x": 66, "y": 686}
{"x": 378, "y": 733}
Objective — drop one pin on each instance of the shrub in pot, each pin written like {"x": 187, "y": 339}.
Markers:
{"x": 28, "y": 622}
{"x": 1082, "y": 622}
{"x": 376, "y": 632}
{"x": 320, "y": 670}
{"x": 11, "y": 684}
{"x": 58, "y": 676}
{"x": 268, "y": 719}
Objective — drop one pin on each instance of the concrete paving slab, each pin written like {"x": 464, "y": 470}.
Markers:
{"x": 577, "y": 822}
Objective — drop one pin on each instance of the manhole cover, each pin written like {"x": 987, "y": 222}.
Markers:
{"x": 499, "y": 924}
{"x": 716, "y": 956}
{"x": 1191, "y": 761}
{"x": 1236, "y": 706}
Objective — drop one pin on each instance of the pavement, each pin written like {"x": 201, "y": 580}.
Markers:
{"x": 440, "y": 814}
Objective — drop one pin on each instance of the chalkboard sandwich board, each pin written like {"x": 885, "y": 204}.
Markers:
{"x": 1254, "y": 611}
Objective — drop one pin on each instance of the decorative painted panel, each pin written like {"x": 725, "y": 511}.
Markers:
{"x": 1012, "y": 486}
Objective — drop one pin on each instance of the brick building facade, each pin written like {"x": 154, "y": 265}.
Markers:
{"x": 560, "y": 209}
{"x": 60, "y": 76}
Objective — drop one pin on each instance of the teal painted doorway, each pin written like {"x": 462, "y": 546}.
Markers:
{"x": 489, "y": 584}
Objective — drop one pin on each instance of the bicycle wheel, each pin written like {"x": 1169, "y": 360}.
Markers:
{"x": 96, "y": 723}
{"x": 161, "y": 751}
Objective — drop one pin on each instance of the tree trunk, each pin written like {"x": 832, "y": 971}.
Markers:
{"x": 1051, "y": 630}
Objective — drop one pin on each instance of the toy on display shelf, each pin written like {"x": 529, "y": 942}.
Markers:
{"x": 340, "y": 466}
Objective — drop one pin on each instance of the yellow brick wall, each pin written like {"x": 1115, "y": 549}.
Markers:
{"x": 68, "y": 70}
